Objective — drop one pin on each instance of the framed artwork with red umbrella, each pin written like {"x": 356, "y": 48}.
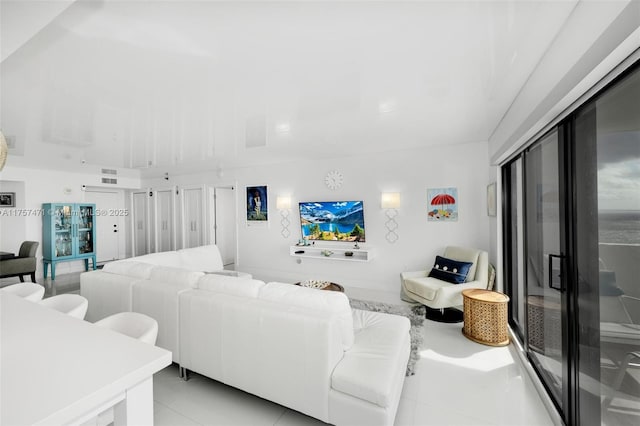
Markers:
{"x": 442, "y": 204}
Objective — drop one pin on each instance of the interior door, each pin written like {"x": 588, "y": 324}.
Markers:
{"x": 545, "y": 300}
{"x": 165, "y": 235}
{"x": 225, "y": 224}
{"x": 140, "y": 219}
{"x": 192, "y": 218}
{"x": 109, "y": 224}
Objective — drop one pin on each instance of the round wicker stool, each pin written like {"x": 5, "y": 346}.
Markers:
{"x": 485, "y": 317}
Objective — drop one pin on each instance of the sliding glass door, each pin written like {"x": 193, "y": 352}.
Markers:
{"x": 544, "y": 228}
{"x": 572, "y": 256}
{"x": 606, "y": 147}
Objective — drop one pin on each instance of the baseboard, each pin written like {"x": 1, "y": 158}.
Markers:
{"x": 535, "y": 380}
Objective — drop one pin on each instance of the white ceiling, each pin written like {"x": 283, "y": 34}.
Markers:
{"x": 184, "y": 86}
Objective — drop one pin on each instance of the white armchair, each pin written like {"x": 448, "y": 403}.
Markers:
{"x": 436, "y": 294}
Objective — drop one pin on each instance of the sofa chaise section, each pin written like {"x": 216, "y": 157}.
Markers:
{"x": 367, "y": 383}
{"x": 303, "y": 348}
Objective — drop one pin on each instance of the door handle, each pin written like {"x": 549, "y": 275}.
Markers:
{"x": 561, "y": 258}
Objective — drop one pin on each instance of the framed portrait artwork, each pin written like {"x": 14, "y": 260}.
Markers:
{"x": 7, "y": 199}
{"x": 257, "y": 204}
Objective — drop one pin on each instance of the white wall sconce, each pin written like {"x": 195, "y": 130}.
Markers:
{"x": 390, "y": 201}
{"x": 4, "y": 150}
{"x": 283, "y": 204}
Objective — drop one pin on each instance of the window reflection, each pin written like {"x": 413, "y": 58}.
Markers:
{"x": 618, "y": 152}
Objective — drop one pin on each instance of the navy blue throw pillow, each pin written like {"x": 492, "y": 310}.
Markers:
{"x": 449, "y": 270}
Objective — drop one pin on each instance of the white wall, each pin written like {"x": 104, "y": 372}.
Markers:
{"x": 12, "y": 227}
{"x": 265, "y": 253}
{"x": 33, "y": 188}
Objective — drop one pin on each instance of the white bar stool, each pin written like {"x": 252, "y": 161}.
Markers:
{"x": 70, "y": 304}
{"x": 29, "y": 291}
{"x": 133, "y": 324}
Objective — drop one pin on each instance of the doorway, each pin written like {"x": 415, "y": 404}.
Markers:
{"x": 110, "y": 213}
{"x": 224, "y": 223}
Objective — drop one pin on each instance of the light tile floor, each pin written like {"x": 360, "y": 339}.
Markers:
{"x": 457, "y": 382}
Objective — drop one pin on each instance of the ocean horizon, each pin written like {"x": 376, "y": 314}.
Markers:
{"x": 619, "y": 226}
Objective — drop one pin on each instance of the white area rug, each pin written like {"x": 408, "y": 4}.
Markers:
{"x": 415, "y": 315}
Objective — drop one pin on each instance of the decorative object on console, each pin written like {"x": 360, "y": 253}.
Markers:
{"x": 336, "y": 253}
{"x": 283, "y": 204}
{"x": 321, "y": 285}
{"x": 257, "y": 204}
{"x": 7, "y": 199}
{"x": 415, "y": 314}
{"x": 341, "y": 221}
{"x": 442, "y": 204}
{"x": 333, "y": 179}
{"x": 315, "y": 284}
{"x": 390, "y": 201}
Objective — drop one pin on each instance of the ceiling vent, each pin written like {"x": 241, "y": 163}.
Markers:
{"x": 109, "y": 172}
{"x": 112, "y": 181}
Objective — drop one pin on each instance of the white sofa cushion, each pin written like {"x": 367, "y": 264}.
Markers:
{"x": 369, "y": 370}
{"x": 169, "y": 274}
{"x": 129, "y": 268}
{"x": 237, "y": 286}
{"x": 203, "y": 258}
{"x": 164, "y": 258}
{"x": 332, "y": 302}
{"x": 425, "y": 287}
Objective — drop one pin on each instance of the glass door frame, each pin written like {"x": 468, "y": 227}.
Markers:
{"x": 563, "y": 403}
{"x": 571, "y": 410}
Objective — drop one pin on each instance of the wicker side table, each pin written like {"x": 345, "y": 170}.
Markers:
{"x": 485, "y": 317}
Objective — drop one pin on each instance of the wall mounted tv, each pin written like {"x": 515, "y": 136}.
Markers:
{"x": 332, "y": 221}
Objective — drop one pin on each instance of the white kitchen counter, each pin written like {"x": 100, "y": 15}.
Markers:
{"x": 56, "y": 370}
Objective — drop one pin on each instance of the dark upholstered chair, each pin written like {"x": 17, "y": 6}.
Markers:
{"x": 23, "y": 264}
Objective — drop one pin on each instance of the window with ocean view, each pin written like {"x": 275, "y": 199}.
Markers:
{"x": 571, "y": 246}
{"x": 617, "y": 125}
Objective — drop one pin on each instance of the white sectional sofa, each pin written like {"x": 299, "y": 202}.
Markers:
{"x": 303, "y": 348}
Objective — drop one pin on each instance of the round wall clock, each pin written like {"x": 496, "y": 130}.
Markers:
{"x": 333, "y": 179}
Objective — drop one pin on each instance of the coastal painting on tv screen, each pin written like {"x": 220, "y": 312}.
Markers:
{"x": 332, "y": 221}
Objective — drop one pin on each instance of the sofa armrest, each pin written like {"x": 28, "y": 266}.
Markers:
{"x": 413, "y": 274}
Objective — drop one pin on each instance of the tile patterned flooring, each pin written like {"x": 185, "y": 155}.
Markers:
{"x": 457, "y": 382}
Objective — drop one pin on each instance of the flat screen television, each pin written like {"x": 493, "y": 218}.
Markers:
{"x": 332, "y": 221}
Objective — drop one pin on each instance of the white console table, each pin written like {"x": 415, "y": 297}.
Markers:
{"x": 338, "y": 252}
{"x": 58, "y": 370}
